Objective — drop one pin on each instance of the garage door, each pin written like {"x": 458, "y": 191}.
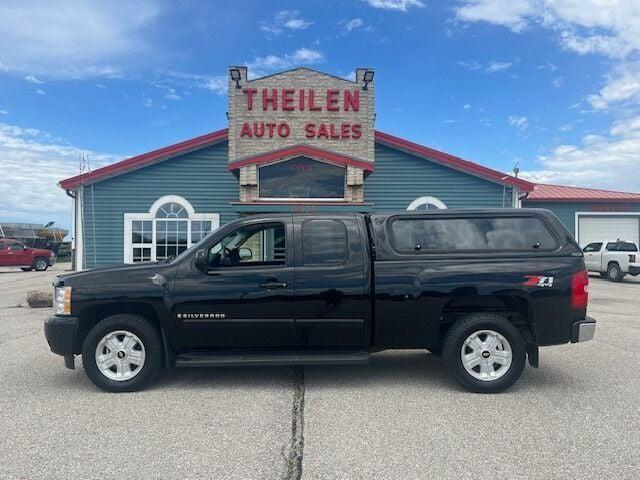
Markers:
{"x": 599, "y": 228}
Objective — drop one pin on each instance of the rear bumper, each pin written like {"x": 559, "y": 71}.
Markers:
{"x": 60, "y": 332}
{"x": 583, "y": 330}
{"x": 634, "y": 270}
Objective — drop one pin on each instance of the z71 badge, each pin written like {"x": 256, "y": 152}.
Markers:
{"x": 538, "y": 281}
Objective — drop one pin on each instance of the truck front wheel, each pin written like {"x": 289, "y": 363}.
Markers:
{"x": 485, "y": 353}
{"x": 40, "y": 264}
{"x": 122, "y": 353}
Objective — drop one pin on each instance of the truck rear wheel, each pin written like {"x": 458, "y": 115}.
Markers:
{"x": 122, "y": 353}
{"x": 614, "y": 273}
{"x": 485, "y": 353}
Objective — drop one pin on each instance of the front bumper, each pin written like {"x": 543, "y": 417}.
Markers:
{"x": 60, "y": 332}
{"x": 583, "y": 330}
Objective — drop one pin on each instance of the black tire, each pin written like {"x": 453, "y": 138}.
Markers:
{"x": 475, "y": 322}
{"x": 40, "y": 264}
{"x": 26, "y": 269}
{"x": 148, "y": 334}
{"x": 614, "y": 273}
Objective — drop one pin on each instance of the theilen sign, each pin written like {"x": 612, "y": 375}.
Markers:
{"x": 301, "y": 100}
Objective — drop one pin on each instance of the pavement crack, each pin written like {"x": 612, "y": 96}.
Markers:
{"x": 296, "y": 447}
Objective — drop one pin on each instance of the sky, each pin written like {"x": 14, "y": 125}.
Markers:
{"x": 550, "y": 85}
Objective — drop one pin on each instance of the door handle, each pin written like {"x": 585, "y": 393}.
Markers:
{"x": 273, "y": 285}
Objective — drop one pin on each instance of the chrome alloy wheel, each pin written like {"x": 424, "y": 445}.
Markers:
{"x": 120, "y": 355}
{"x": 41, "y": 265}
{"x": 486, "y": 355}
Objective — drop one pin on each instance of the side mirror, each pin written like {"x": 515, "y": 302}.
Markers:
{"x": 245, "y": 253}
{"x": 200, "y": 260}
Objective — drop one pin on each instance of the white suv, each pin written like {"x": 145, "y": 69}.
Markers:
{"x": 612, "y": 259}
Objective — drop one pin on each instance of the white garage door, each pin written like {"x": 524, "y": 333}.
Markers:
{"x": 597, "y": 228}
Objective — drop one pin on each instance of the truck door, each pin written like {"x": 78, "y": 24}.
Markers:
{"x": 592, "y": 256}
{"x": 245, "y": 298}
{"x": 17, "y": 254}
{"x": 330, "y": 301}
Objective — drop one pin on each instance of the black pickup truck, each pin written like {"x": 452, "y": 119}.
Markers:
{"x": 482, "y": 288}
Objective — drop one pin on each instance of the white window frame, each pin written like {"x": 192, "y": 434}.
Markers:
{"x": 418, "y": 202}
{"x": 302, "y": 199}
{"x": 129, "y": 218}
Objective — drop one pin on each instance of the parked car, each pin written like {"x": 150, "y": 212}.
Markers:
{"x": 16, "y": 254}
{"x": 613, "y": 259}
{"x": 483, "y": 288}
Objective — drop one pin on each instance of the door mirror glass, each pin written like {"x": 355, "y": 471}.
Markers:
{"x": 245, "y": 253}
{"x": 200, "y": 260}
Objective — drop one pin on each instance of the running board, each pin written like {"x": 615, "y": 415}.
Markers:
{"x": 224, "y": 359}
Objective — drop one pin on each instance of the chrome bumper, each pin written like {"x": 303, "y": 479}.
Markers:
{"x": 583, "y": 330}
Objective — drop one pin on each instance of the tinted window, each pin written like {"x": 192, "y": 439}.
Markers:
{"x": 252, "y": 245}
{"x": 16, "y": 246}
{"x": 612, "y": 247}
{"x": 324, "y": 242}
{"x": 301, "y": 178}
{"x": 593, "y": 247}
{"x": 471, "y": 234}
{"x": 627, "y": 247}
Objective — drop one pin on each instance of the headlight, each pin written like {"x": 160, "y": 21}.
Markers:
{"x": 62, "y": 300}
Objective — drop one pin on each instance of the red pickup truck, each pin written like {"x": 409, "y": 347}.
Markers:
{"x": 16, "y": 254}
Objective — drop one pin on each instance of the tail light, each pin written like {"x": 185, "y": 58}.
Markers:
{"x": 580, "y": 289}
{"x": 632, "y": 258}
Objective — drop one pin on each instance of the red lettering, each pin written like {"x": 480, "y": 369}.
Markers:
{"x": 312, "y": 106}
{"x": 273, "y": 99}
{"x": 249, "y": 92}
{"x": 301, "y": 99}
{"x": 356, "y": 130}
{"x": 283, "y": 129}
{"x": 287, "y": 99}
{"x": 351, "y": 100}
{"x": 332, "y": 100}
{"x": 258, "y": 129}
{"x": 310, "y": 129}
{"x": 322, "y": 131}
{"x": 332, "y": 131}
{"x": 246, "y": 130}
{"x": 345, "y": 130}
{"x": 271, "y": 127}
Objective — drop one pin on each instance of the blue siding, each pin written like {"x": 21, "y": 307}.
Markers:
{"x": 400, "y": 178}
{"x": 201, "y": 177}
{"x": 566, "y": 211}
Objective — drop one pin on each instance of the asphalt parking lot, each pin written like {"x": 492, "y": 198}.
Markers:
{"x": 400, "y": 416}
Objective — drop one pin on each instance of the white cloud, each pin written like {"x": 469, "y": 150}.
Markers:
{"x": 557, "y": 82}
{"x": 492, "y": 67}
{"x": 548, "y": 66}
{"x": 622, "y": 88}
{"x": 466, "y": 106}
{"x": 609, "y": 161}
{"x": 171, "y": 94}
{"x": 33, "y": 79}
{"x": 521, "y": 122}
{"x": 75, "y": 38}
{"x": 400, "y": 5}
{"x": 303, "y": 56}
{"x": 282, "y": 20}
{"x": 37, "y": 161}
{"x": 350, "y": 25}
{"x": 4, "y": 112}
{"x": 212, "y": 83}
{"x": 584, "y": 26}
{"x": 147, "y": 102}
{"x": 39, "y": 91}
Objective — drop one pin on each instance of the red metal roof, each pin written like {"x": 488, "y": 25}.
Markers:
{"x": 559, "y": 193}
{"x": 222, "y": 135}
{"x": 305, "y": 150}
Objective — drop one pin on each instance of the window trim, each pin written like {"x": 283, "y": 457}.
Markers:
{"x": 346, "y": 237}
{"x": 150, "y": 215}
{"x": 427, "y": 217}
{"x": 303, "y": 199}
{"x": 426, "y": 200}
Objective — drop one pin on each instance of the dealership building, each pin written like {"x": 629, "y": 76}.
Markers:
{"x": 302, "y": 141}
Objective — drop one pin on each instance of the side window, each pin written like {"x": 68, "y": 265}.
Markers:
{"x": 593, "y": 247}
{"x": 252, "y": 245}
{"x": 627, "y": 247}
{"x": 15, "y": 246}
{"x": 471, "y": 234}
{"x": 1, "y": 245}
{"x": 324, "y": 242}
{"x": 612, "y": 247}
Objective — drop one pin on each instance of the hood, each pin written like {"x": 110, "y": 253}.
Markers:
{"x": 108, "y": 275}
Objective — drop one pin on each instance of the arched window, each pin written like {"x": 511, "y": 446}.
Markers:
{"x": 427, "y": 203}
{"x": 169, "y": 227}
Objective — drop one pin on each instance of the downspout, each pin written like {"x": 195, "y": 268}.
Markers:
{"x": 72, "y": 195}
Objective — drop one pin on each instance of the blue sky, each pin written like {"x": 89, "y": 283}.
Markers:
{"x": 553, "y": 85}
